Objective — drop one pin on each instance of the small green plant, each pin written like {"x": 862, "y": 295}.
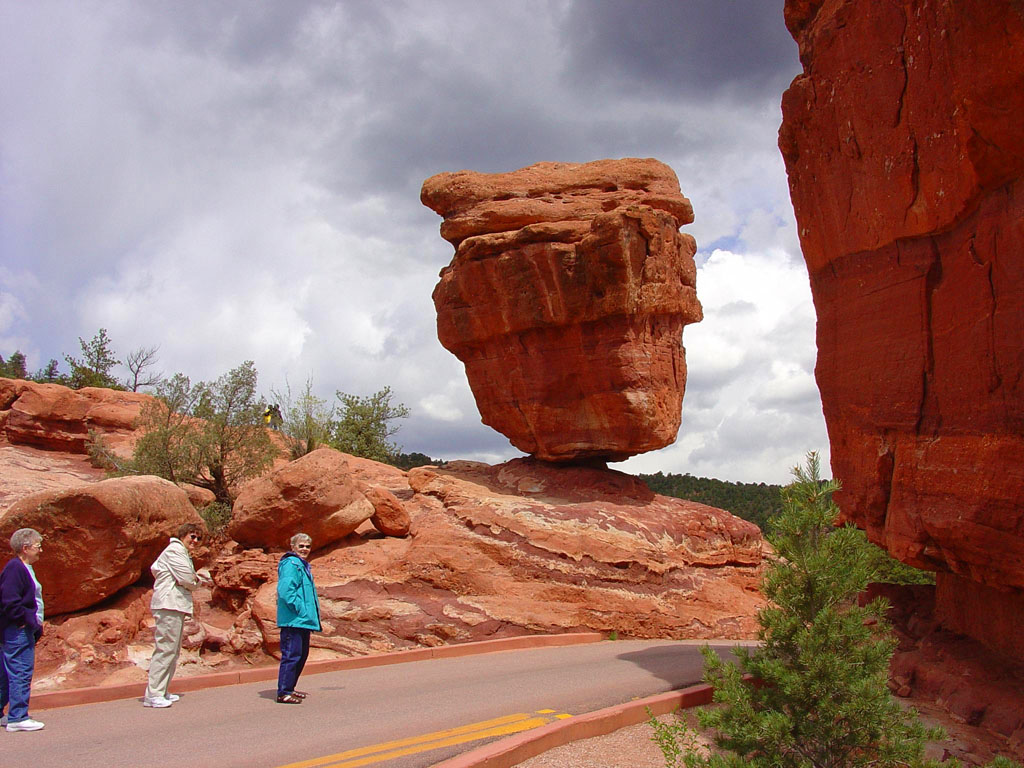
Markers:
{"x": 216, "y": 515}
{"x": 613, "y": 635}
{"x": 677, "y": 741}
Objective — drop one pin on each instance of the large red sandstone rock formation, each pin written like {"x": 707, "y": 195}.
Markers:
{"x": 313, "y": 494}
{"x": 904, "y": 143}
{"x": 566, "y": 300}
{"x": 524, "y": 547}
{"x": 100, "y": 537}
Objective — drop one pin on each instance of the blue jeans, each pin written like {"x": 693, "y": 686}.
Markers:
{"x": 294, "y": 651}
{"x": 19, "y": 661}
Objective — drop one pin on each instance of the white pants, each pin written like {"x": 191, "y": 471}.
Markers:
{"x": 167, "y": 635}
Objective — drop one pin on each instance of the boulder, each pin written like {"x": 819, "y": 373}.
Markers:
{"x": 237, "y": 577}
{"x": 314, "y": 494}
{"x": 566, "y": 301}
{"x": 98, "y": 538}
{"x": 904, "y": 146}
{"x": 389, "y": 516}
{"x": 198, "y": 497}
{"x": 25, "y": 470}
{"x": 54, "y": 417}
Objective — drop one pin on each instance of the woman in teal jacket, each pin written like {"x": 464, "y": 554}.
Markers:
{"x": 298, "y": 614}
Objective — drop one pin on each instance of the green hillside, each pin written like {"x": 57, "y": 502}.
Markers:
{"x": 755, "y": 502}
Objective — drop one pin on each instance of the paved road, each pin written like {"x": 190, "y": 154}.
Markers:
{"x": 401, "y": 716}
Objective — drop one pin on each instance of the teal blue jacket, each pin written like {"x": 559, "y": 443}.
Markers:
{"x": 297, "y": 604}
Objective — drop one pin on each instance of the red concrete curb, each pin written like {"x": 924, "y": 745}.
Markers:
{"x": 99, "y": 693}
{"x": 513, "y": 750}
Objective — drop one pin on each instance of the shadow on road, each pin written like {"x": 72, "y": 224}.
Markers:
{"x": 677, "y": 665}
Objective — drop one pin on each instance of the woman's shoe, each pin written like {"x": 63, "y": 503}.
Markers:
{"x": 288, "y": 698}
{"x": 300, "y": 694}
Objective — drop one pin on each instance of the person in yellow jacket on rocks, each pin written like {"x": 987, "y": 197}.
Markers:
{"x": 298, "y": 614}
{"x": 175, "y": 580}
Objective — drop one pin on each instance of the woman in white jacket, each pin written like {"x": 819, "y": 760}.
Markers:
{"x": 175, "y": 579}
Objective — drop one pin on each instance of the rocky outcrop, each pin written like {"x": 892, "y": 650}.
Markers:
{"x": 905, "y": 152}
{"x": 54, "y": 417}
{"x": 313, "y": 495}
{"x": 524, "y": 548}
{"x": 566, "y": 301}
{"x": 98, "y": 538}
{"x": 25, "y": 470}
{"x": 389, "y": 516}
{"x": 958, "y": 674}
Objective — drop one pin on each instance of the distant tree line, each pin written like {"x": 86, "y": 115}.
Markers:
{"x": 756, "y": 502}
{"x": 762, "y": 503}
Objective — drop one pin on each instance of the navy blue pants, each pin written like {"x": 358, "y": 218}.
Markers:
{"x": 294, "y": 651}
{"x": 17, "y": 662}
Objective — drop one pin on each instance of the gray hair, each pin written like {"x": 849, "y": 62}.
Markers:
{"x": 24, "y": 537}
{"x": 300, "y": 538}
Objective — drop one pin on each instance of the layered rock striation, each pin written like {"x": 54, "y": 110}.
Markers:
{"x": 524, "y": 547}
{"x": 566, "y": 301}
{"x": 904, "y": 145}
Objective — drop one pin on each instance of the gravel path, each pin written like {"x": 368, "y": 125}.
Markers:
{"x": 632, "y": 747}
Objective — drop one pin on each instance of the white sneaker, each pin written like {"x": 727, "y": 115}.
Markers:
{"x": 3, "y": 721}
{"x": 159, "y": 702}
{"x": 172, "y": 697}
{"x": 24, "y": 725}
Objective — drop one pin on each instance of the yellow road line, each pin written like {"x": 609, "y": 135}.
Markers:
{"x": 501, "y": 726}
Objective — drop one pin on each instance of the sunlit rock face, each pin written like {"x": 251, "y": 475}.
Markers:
{"x": 566, "y": 301}
{"x": 904, "y": 144}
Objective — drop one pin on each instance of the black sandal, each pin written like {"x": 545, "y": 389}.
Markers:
{"x": 289, "y": 698}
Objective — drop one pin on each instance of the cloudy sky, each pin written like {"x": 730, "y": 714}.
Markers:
{"x": 233, "y": 180}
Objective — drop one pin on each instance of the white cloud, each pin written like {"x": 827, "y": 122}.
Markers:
{"x": 236, "y": 184}
{"x": 751, "y": 408}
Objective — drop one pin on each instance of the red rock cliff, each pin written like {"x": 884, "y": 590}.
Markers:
{"x": 904, "y": 143}
{"x": 566, "y": 300}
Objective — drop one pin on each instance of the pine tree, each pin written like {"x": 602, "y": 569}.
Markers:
{"x": 94, "y": 368}
{"x": 14, "y": 367}
{"x": 823, "y": 662}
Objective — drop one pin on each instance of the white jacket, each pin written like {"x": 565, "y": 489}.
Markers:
{"x": 175, "y": 578}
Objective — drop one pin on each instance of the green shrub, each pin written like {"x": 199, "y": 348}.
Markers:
{"x": 216, "y": 515}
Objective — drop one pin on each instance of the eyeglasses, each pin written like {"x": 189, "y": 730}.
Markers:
{"x": 195, "y": 537}
{"x": 303, "y": 546}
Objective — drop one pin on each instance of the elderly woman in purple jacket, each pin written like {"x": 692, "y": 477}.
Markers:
{"x": 21, "y": 626}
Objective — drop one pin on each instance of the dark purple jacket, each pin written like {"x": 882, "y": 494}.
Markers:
{"x": 18, "y": 597}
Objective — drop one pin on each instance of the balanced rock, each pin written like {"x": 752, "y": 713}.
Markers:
{"x": 904, "y": 144}
{"x": 566, "y": 301}
{"x": 314, "y": 494}
{"x": 98, "y": 538}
